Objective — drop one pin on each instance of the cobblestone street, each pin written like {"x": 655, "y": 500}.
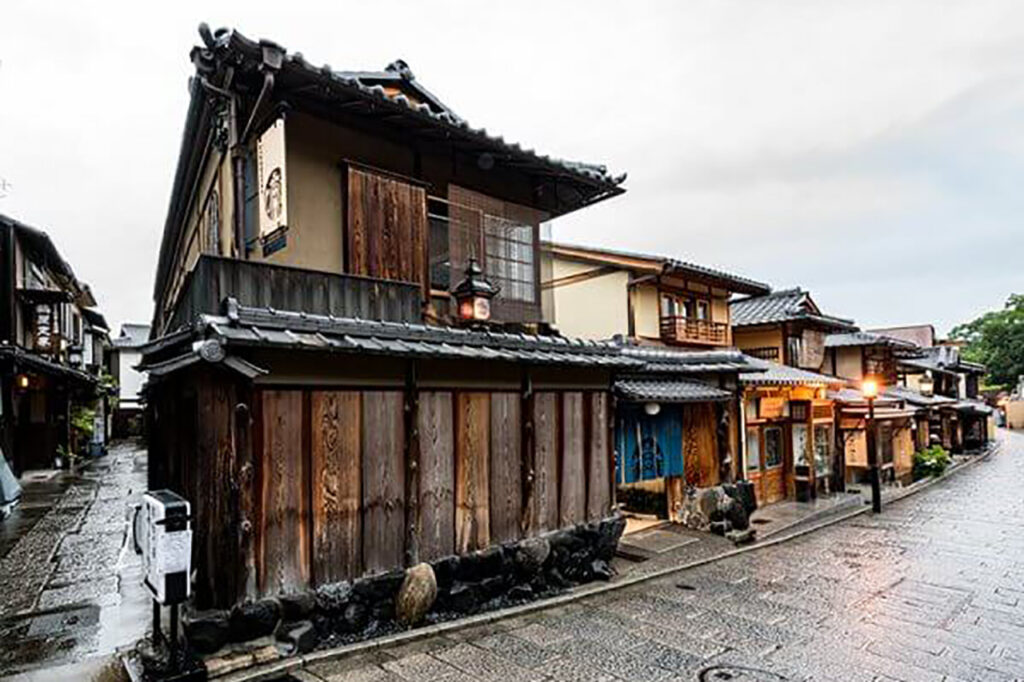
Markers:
{"x": 930, "y": 590}
{"x": 67, "y": 589}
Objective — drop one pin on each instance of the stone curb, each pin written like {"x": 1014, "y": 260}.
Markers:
{"x": 285, "y": 666}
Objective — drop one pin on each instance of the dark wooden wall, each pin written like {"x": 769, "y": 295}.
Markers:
{"x": 296, "y": 487}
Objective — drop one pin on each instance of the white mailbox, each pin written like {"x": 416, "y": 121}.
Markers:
{"x": 163, "y": 536}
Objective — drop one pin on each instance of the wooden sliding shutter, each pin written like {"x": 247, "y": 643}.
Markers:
{"x": 386, "y": 227}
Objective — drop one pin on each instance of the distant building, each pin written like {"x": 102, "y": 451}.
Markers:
{"x": 49, "y": 337}
{"x": 124, "y": 357}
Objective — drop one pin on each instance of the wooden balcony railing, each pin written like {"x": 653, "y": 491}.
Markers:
{"x": 688, "y": 330}
{"x": 764, "y": 353}
{"x": 288, "y": 288}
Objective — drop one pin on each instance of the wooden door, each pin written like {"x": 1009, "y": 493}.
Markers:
{"x": 773, "y": 472}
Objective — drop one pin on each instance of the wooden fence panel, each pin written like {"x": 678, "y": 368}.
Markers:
{"x": 383, "y": 479}
{"x": 336, "y": 477}
{"x": 285, "y": 502}
{"x": 506, "y": 496}
{"x": 573, "y": 497}
{"x": 472, "y": 440}
{"x": 599, "y": 476}
{"x": 545, "y": 478}
{"x": 437, "y": 475}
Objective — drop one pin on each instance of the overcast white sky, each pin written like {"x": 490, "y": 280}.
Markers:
{"x": 869, "y": 151}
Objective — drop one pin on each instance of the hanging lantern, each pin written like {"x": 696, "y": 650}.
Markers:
{"x": 473, "y": 294}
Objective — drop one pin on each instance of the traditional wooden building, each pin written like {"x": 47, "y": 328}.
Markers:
{"x": 47, "y": 345}
{"x": 676, "y": 422}
{"x": 856, "y": 356}
{"x": 319, "y": 388}
{"x": 789, "y": 446}
{"x": 964, "y": 422}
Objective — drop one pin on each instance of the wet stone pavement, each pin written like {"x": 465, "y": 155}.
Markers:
{"x": 69, "y": 588}
{"x": 931, "y": 590}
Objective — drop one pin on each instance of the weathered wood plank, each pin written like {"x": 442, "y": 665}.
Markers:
{"x": 285, "y": 506}
{"x": 505, "y": 467}
{"x": 545, "y": 480}
{"x": 598, "y": 488}
{"x": 572, "y": 498}
{"x": 336, "y": 485}
{"x": 472, "y": 441}
{"x": 383, "y": 480}
{"x": 437, "y": 475}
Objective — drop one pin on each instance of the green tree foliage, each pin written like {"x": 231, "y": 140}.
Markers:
{"x": 996, "y": 339}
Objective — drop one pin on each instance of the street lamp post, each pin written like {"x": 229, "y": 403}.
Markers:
{"x": 870, "y": 390}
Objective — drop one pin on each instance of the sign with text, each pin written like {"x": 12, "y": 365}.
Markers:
{"x": 273, "y": 179}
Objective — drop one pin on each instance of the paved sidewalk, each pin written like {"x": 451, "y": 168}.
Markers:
{"x": 68, "y": 588}
{"x": 929, "y": 590}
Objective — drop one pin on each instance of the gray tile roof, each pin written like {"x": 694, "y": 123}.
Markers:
{"x": 849, "y": 339}
{"x": 774, "y": 374}
{"x": 781, "y": 306}
{"x": 265, "y": 327}
{"x": 368, "y": 86}
{"x": 916, "y": 398}
{"x": 671, "y": 360}
{"x": 738, "y": 284}
{"x": 670, "y": 391}
{"x": 851, "y": 396}
{"x": 943, "y": 359}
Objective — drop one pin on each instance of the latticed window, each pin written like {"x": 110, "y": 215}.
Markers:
{"x": 510, "y": 257}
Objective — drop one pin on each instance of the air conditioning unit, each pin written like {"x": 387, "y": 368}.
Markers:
{"x": 162, "y": 533}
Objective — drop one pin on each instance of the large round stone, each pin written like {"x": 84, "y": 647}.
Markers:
{"x": 417, "y": 594}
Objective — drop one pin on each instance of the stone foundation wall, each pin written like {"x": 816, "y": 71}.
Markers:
{"x": 442, "y": 590}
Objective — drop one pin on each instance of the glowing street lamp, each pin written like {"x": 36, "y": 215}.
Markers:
{"x": 869, "y": 388}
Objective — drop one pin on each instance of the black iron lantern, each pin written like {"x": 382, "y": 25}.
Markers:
{"x": 473, "y": 294}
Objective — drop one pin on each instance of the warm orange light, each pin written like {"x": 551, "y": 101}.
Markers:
{"x": 22, "y": 381}
{"x": 869, "y": 387}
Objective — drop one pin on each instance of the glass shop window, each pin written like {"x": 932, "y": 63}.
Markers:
{"x": 823, "y": 449}
{"x": 773, "y": 447}
{"x": 800, "y": 445}
{"x": 753, "y": 450}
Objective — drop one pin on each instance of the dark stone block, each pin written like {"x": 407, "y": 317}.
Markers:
{"x": 333, "y": 598}
{"x": 745, "y": 491}
{"x": 253, "y": 620}
{"x": 564, "y": 542}
{"x": 600, "y": 570}
{"x": 444, "y": 572}
{"x": 379, "y": 588}
{"x": 493, "y": 587}
{"x": 530, "y": 556}
{"x": 720, "y": 527}
{"x": 486, "y": 563}
{"x": 610, "y": 533}
{"x": 521, "y": 592}
{"x": 298, "y": 606}
{"x": 208, "y": 631}
{"x": 737, "y": 516}
{"x": 355, "y": 617}
{"x": 298, "y": 638}
{"x": 464, "y": 597}
{"x": 717, "y": 516}
{"x": 556, "y": 580}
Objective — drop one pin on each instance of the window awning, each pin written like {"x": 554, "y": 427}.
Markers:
{"x": 670, "y": 391}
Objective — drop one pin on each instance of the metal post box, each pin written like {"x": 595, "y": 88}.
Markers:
{"x": 163, "y": 536}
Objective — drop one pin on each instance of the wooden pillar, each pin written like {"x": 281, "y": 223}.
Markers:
{"x": 245, "y": 475}
{"x": 527, "y": 523}
{"x": 412, "y": 467}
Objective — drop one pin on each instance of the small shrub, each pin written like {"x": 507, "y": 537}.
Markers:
{"x": 931, "y": 461}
